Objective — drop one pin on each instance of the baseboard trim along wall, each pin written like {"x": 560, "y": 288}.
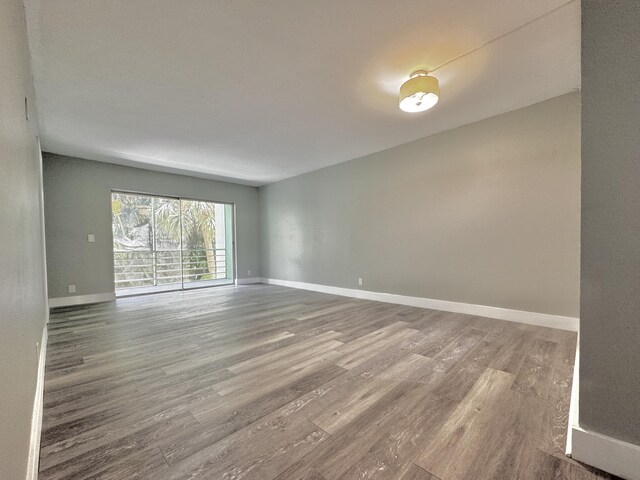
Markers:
{"x": 603, "y": 452}
{"x": 36, "y": 416}
{"x": 606, "y": 453}
{"x": 248, "y": 281}
{"x": 573, "y": 403}
{"x": 531, "y": 318}
{"x": 81, "y": 299}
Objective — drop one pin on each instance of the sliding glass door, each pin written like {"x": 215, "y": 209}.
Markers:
{"x": 162, "y": 243}
{"x": 207, "y": 254}
{"x": 165, "y": 273}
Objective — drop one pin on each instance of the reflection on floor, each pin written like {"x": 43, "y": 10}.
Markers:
{"x": 171, "y": 287}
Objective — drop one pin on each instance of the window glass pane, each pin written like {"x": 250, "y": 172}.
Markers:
{"x": 167, "y": 241}
{"x": 132, "y": 240}
{"x": 203, "y": 240}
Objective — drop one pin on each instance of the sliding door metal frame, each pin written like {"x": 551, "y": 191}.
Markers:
{"x": 179, "y": 198}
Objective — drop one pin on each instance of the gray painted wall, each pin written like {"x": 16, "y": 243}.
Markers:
{"x": 610, "y": 294}
{"x": 23, "y": 305}
{"x": 485, "y": 214}
{"x": 78, "y": 201}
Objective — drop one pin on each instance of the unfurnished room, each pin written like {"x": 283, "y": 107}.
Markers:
{"x": 320, "y": 240}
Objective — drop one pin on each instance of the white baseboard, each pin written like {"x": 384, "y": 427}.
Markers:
{"x": 606, "y": 453}
{"x": 573, "y": 403}
{"x": 600, "y": 451}
{"x": 36, "y": 416}
{"x": 531, "y": 318}
{"x": 248, "y": 281}
{"x": 81, "y": 299}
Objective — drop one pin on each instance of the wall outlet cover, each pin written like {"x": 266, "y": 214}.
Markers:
{"x": 91, "y": 238}
{"x": 360, "y": 281}
{"x": 72, "y": 289}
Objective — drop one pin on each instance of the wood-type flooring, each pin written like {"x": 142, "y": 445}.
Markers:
{"x": 272, "y": 383}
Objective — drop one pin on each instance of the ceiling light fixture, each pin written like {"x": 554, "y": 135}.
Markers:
{"x": 419, "y": 93}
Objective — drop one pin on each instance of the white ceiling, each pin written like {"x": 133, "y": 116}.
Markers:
{"x": 257, "y": 91}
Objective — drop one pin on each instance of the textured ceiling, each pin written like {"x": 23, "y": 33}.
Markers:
{"x": 257, "y": 91}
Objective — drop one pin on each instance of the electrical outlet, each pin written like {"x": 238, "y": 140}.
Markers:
{"x": 72, "y": 289}
{"x": 360, "y": 281}
{"x": 248, "y": 273}
{"x": 91, "y": 238}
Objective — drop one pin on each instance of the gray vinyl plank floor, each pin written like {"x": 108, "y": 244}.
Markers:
{"x": 265, "y": 382}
